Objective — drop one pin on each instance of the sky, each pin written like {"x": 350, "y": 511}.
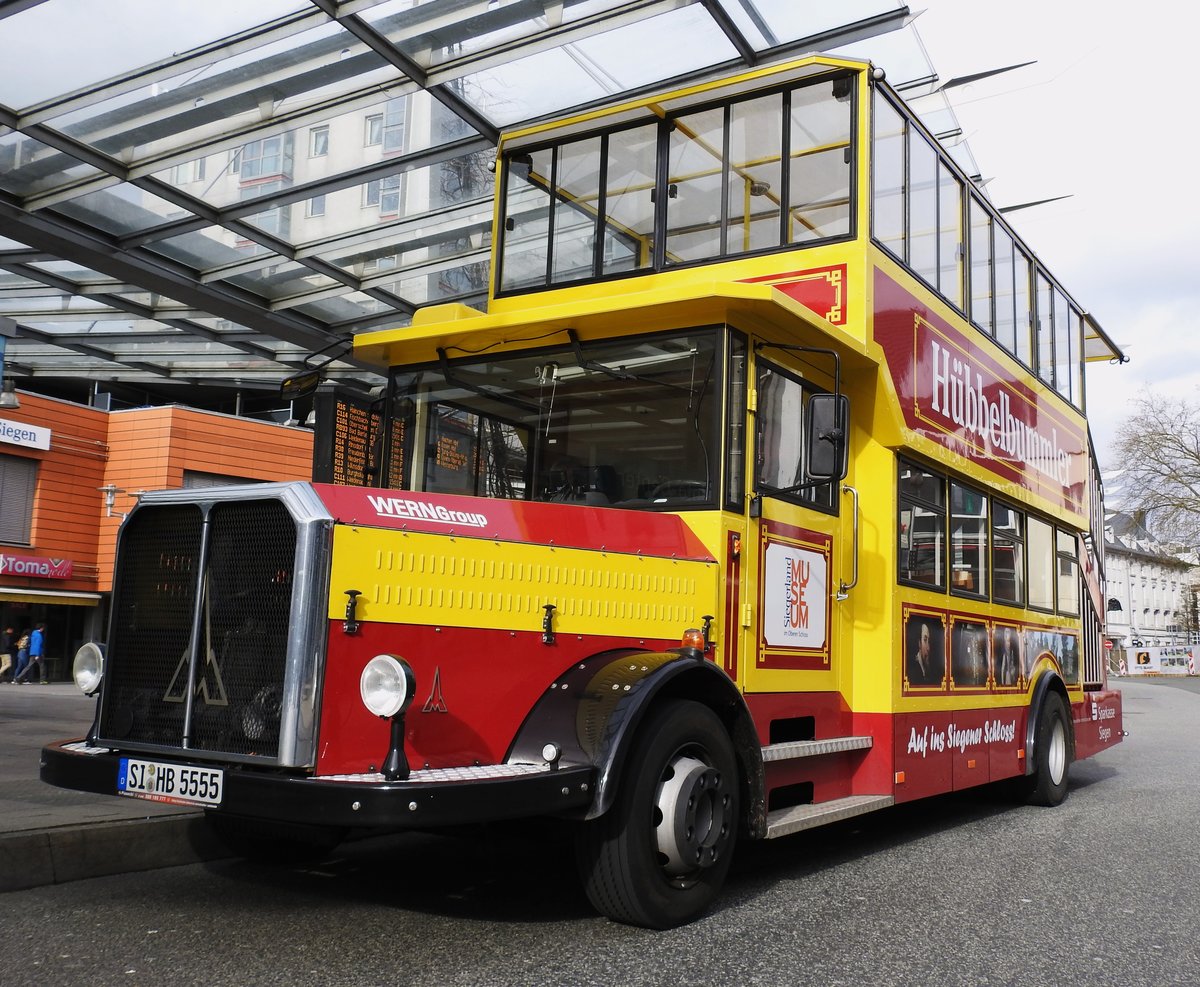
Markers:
{"x": 1107, "y": 116}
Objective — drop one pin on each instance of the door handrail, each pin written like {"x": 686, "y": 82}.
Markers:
{"x": 843, "y": 586}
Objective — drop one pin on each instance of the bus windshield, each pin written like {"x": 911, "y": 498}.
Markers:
{"x": 632, "y": 423}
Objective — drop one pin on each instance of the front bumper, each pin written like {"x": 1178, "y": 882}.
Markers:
{"x": 428, "y": 798}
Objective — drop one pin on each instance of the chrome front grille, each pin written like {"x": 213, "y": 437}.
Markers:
{"x": 214, "y": 634}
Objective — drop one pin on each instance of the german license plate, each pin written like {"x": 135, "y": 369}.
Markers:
{"x": 178, "y": 784}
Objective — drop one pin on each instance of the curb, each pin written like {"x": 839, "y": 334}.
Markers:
{"x": 75, "y": 853}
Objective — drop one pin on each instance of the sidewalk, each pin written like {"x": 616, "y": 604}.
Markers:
{"x": 51, "y": 835}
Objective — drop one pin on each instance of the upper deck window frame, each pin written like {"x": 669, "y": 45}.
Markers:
{"x": 1016, "y": 311}
{"x": 508, "y": 282}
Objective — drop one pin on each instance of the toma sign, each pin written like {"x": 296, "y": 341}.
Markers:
{"x": 38, "y": 566}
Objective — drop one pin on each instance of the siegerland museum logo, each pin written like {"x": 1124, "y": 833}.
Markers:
{"x": 795, "y": 597}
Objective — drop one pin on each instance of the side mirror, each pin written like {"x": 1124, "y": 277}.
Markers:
{"x": 826, "y": 442}
{"x": 300, "y": 385}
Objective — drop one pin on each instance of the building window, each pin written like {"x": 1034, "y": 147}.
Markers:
{"x": 389, "y": 195}
{"x": 315, "y": 206}
{"x": 273, "y": 220}
{"x": 393, "y": 124}
{"x": 18, "y": 481}
{"x": 378, "y": 265}
{"x": 386, "y": 193}
{"x": 373, "y": 133}
{"x": 193, "y": 479}
{"x": 189, "y": 171}
{"x": 318, "y": 142}
{"x": 267, "y": 158}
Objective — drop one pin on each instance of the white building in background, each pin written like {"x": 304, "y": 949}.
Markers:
{"x": 386, "y": 232}
{"x": 1151, "y": 587}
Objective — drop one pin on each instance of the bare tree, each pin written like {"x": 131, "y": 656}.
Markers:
{"x": 1159, "y": 449}
{"x": 1191, "y": 612}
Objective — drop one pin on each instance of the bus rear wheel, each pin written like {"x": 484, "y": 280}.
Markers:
{"x": 659, "y": 856}
{"x": 1052, "y": 753}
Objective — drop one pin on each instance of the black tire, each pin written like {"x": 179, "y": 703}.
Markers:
{"x": 659, "y": 856}
{"x": 278, "y": 843}
{"x": 1052, "y": 753}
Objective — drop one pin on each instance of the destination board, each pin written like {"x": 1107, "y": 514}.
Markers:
{"x": 349, "y": 441}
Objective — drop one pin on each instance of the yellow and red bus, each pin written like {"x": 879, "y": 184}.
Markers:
{"x": 761, "y": 496}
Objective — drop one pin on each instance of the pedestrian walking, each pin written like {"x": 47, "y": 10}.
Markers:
{"x": 22, "y": 656}
{"x": 36, "y": 656}
{"x": 6, "y": 654}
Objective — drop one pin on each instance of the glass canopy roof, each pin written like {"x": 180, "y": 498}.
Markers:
{"x": 206, "y": 193}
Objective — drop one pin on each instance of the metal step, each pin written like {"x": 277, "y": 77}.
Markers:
{"x": 813, "y": 748}
{"x": 782, "y": 822}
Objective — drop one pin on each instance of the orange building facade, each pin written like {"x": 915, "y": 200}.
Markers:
{"x": 69, "y": 472}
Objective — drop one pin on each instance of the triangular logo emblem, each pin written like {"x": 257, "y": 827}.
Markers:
{"x": 436, "y": 703}
{"x": 213, "y": 695}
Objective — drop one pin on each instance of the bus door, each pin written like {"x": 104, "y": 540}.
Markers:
{"x": 796, "y": 556}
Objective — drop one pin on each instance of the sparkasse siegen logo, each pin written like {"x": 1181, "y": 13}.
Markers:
{"x": 419, "y": 510}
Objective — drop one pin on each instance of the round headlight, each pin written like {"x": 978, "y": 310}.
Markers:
{"x": 387, "y": 685}
{"x": 88, "y": 668}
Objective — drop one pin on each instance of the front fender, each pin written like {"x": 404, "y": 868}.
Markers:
{"x": 592, "y": 711}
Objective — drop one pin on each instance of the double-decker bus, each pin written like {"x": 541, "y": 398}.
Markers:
{"x": 760, "y": 497}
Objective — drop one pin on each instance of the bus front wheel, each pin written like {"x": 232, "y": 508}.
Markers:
{"x": 659, "y": 856}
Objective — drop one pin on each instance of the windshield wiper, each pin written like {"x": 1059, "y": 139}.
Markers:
{"x": 482, "y": 389}
{"x": 620, "y": 373}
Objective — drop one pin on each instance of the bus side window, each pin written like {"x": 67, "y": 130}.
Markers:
{"x": 921, "y": 527}
{"x": 782, "y": 417}
{"x": 1008, "y": 555}
{"x": 968, "y": 540}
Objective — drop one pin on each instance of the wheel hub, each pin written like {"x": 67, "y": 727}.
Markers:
{"x": 693, "y": 816}
{"x": 1056, "y": 760}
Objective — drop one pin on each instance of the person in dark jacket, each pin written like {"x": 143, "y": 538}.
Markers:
{"x": 22, "y": 646}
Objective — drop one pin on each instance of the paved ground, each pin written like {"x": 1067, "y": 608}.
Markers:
{"x": 964, "y": 890}
{"x": 52, "y": 835}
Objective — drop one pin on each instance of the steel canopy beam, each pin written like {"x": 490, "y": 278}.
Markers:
{"x": 87, "y": 248}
